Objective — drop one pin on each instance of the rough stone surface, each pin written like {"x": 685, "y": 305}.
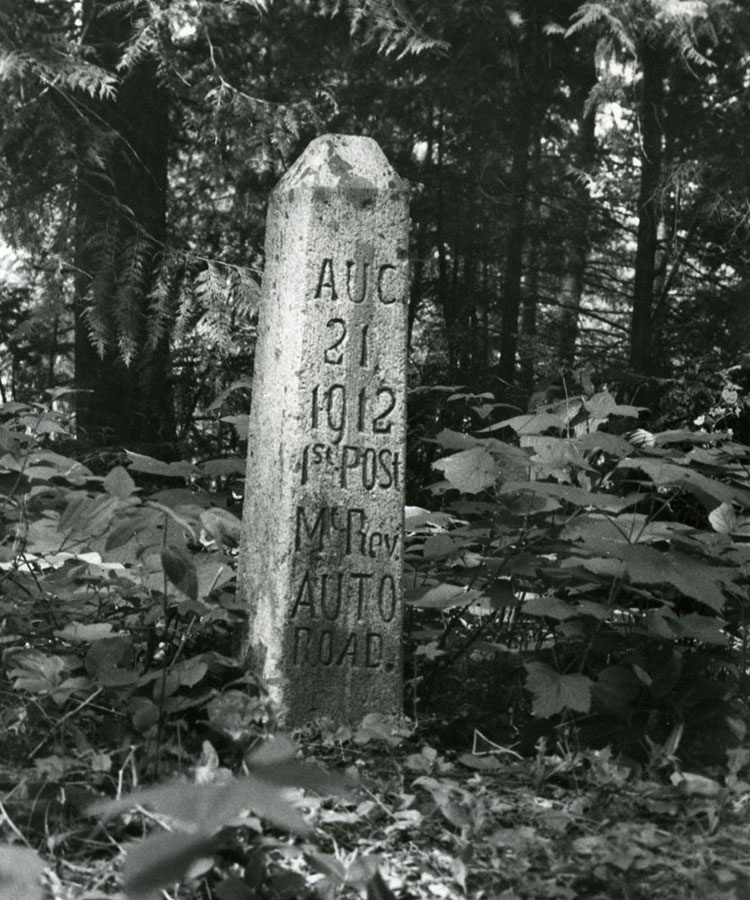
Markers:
{"x": 321, "y": 552}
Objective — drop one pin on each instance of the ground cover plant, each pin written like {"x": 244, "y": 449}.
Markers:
{"x": 576, "y": 676}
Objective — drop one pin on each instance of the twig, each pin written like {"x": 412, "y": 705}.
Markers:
{"x": 62, "y": 721}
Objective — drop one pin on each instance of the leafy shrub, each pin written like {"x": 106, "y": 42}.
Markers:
{"x": 606, "y": 574}
{"x": 117, "y": 598}
{"x": 113, "y": 594}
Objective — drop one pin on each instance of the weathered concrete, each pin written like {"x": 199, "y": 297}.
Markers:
{"x": 321, "y": 552}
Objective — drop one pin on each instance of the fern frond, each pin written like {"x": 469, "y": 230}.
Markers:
{"x": 210, "y": 286}
{"x": 12, "y": 64}
{"x": 129, "y": 297}
{"x": 163, "y": 298}
{"x": 587, "y": 16}
{"x": 388, "y": 23}
{"x": 244, "y": 293}
{"x": 144, "y": 44}
{"x": 186, "y": 307}
{"x": 591, "y": 15}
{"x": 98, "y": 328}
{"x": 102, "y": 246}
{"x": 93, "y": 80}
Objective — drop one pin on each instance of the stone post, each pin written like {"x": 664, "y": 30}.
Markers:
{"x": 321, "y": 551}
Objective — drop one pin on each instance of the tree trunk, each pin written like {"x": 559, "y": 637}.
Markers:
{"x": 511, "y": 299}
{"x": 121, "y": 229}
{"x": 530, "y": 295}
{"x": 528, "y": 103}
{"x": 643, "y": 340}
{"x": 577, "y": 246}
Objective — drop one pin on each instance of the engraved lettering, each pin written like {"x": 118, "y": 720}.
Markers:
{"x": 350, "y": 460}
{"x": 387, "y": 605}
{"x": 349, "y": 464}
{"x": 351, "y": 529}
{"x": 349, "y": 651}
{"x": 318, "y": 527}
{"x": 336, "y": 410}
{"x": 301, "y": 642}
{"x": 304, "y": 597}
{"x": 381, "y": 276}
{"x": 350, "y": 265}
{"x": 369, "y": 468}
{"x": 330, "y": 606}
{"x": 379, "y": 425}
{"x": 326, "y": 282}
{"x": 373, "y": 650}
{"x": 333, "y": 355}
{"x": 362, "y": 577}
{"x": 325, "y": 648}
{"x": 391, "y": 543}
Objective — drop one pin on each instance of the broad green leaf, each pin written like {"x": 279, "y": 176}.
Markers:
{"x": 438, "y": 546}
{"x": 696, "y": 785}
{"x": 220, "y": 468}
{"x": 615, "y": 688}
{"x": 603, "y": 405}
{"x": 88, "y": 517}
{"x": 642, "y": 564}
{"x": 443, "y": 596}
{"x": 78, "y": 632}
{"x": 162, "y": 859}
{"x": 183, "y": 517}
{"x": 150, "y": 466}
{"x": 630, "y": 528}
{"x": 240, "y": 384}
{"x": 44, "y": 537}
{"x": 553, "y": 692}
{"x": 119, "y": 484}
{"x": 221, "y": 525}
{"x": 703, "y": 628}
{"x": 110, "y": 661}
{"x": 177, "y": 497}
{"x": 480, "y": 763}
{"x": 723, "y": 518}
{"x": 570, "y": 494}
{"x": 36, "y": 671}
{"x": 456, "y": 440}
{"x": 707, "y": 490}
{"x": 184, "y": 674}
{"x": 683, "y": 436}
{"x": 469, "y": 471}
{"x": 210, "y": 807}
{"x": 416, "y": 517}
{"x": 549, "y": 606}
{"x": 237, "y": 714}
{"x": 530, "y": 423}
{"x": 46, "y": 464}
{"x": 214, "y": 570}
{"x": 605, "y": 442}
{"x": 180, "y": 570}
{"x": 21, "y": 870}
{"x": 240, "y": 423}
{"x": 554, "y": 456}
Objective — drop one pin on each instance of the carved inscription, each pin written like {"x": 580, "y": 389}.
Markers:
{"x": 350, "y": 465}
{"x": 348, "y": 555}
{"x": 359, "y": 285}
{"x": 315, "y": 528}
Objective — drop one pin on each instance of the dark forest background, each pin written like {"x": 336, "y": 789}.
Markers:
{"x": 580, "y": 195}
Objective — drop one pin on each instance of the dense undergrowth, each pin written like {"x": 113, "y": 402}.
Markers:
{"x": 576, "y": 683}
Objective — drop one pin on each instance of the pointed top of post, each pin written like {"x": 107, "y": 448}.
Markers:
{"x": 342, "y": 161}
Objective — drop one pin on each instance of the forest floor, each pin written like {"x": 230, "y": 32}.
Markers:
{"x": 421, "y": 823}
